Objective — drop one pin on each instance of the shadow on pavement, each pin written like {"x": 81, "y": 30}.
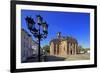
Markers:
{"x": 46, "y": 59}
{"x": 54, "y": 58}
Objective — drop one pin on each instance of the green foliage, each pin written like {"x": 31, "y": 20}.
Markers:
{"x": 81, "y": 48}
{"x": 46, "y": 48}
{"x": 84, "y": 49}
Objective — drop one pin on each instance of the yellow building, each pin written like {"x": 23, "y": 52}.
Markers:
{"x": 63, "y": 46}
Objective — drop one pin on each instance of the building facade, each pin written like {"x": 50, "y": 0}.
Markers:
{"x": 63, "y": 46}
{"x": 35, "y": 48}
{"x": 27, "y": 44}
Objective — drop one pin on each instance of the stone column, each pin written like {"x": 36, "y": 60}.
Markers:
{"x": 69, "y": 48}
{"x": 78, "y": 49}
{"x": 51, "y": 50}
{"x": 72, "y": 48}
{"x": 56, "y": 49}
{"x": 75, "y": 48}
{"x": 65, "y": 48}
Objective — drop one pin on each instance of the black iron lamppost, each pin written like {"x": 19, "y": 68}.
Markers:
{"x": 39, "y": 30}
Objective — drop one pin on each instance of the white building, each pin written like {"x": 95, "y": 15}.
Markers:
{"x": 26, "y": 45}
{"x": 35, "y": 48}
{"x": 29, "y": 47}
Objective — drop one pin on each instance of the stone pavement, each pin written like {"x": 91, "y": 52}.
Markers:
{"x": 48, "y": 58}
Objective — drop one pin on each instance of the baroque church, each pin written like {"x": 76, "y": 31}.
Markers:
{"x": 63, "y": 46}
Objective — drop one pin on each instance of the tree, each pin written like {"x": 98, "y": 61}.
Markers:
{"x": 81, "y": 49}
{"x": 46, "y": 48}
{"x": 86, "y": 50}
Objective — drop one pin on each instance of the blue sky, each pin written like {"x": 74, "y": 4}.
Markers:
{"x": 73, "y": 24}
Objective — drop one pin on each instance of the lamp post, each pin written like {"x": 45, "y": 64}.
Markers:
{"x": 39, "y": 30}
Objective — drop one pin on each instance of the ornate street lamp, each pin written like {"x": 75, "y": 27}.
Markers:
{"x": 39, "y": 19}
{"x": 30, "y": 22}
{"x": 45, "y": 29}
{"x": 42, "y": 26}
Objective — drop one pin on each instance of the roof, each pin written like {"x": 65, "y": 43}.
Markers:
{"x": 67, "y": 38}
{"x": 70, "y": 39}
{"x": 26, "y": 32}
{"x": 29, "y": 35}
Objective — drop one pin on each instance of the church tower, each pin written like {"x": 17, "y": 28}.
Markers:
{"x": 59, "y": 42}
{"x": 58, "y": 35}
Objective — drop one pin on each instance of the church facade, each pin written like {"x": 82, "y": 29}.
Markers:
{"x": 63, "y": 46}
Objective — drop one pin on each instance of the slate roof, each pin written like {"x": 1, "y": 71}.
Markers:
{"x": 67, "y": 38}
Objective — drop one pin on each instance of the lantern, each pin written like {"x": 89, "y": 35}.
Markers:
{"x": 30, "y": 22}
{"x": 39, "y": 19}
